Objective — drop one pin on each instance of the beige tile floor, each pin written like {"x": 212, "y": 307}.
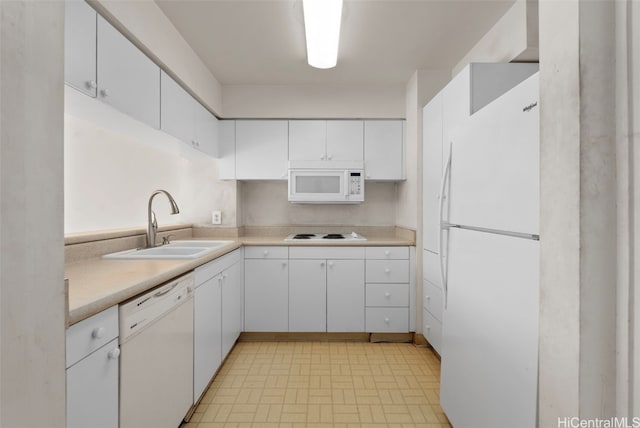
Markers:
{"x": 324, "y": 384}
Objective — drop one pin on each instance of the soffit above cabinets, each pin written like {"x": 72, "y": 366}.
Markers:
{"x": 382, "y": 42}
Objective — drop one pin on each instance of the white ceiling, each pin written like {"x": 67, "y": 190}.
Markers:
{"x": 382, "y": 42}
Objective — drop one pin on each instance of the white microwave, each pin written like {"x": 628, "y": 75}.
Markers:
{"x": 326, "y": 182}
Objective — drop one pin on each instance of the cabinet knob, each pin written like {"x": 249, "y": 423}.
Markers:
{"x": 284, "y": 264}
{"x": 91, "y": 84}
{"x": 114, "y": 354}
{"x": 322, "y": 264}
{"x": 98, "y": 332}
{"x": 368, "y": 176}
{"x": 387, "y": 270}
{"x": 387, "y": 320}
{"x": 427, "y": 327}
{"x": 386, "y": 253}
{"x": 330, "y": 157}
{"x": 104, "y": 93}
{"x": 330, "y": 264}
{"x": 283, "y": 175}
{"x": 387, "y": 294}
{"x": 322, "y": 157}
{"x": 265, "y": 253}
{"x": 428, "y": 297}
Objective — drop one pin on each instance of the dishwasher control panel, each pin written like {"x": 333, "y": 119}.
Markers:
{"x": 141, "y": 311}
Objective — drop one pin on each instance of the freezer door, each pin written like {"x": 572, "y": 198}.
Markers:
{"x": 490, "y": 331}
{"x": 495, "y": 162}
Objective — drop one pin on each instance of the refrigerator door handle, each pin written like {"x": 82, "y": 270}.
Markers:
{"x": 443, "y": 224}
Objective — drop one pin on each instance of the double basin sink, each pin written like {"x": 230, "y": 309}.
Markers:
{"x": 174, "y": 250}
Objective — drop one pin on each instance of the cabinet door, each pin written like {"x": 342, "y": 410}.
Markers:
{"x": 127, "y": 79}
{"x": 307, "y": 295}
{"x": 92, "y": 390}
{"x": 266, "y": 295}
{"x": 206, "y": 134}
{"x": 261, "y": 149}
{"x": 307, "y": 139}
{"x": 345, "y": 295}
{"x": 432, "y": 171}
{"x": 178, "y": 110}
{"x": 231, "y": 307}
{"x": 207, "y": 353}
{"x": 345, "y": 140}
{"x": 383, "y": 149}
{"x": 80, "y": 46}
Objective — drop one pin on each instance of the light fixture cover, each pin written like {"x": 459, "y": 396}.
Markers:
{"x": 322, "y": 30}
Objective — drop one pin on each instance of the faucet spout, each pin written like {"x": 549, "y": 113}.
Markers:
{"x": 152, "y": 225}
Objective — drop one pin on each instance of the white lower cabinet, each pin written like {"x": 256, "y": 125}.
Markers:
{"x": 266, "y": 289}
{"x": 307, "y": 295}
{"x": 345, "y": 295}
{"x": 388, "y": 292}
{"x": 217, "y": 316}
{"x": 93, "y": 371}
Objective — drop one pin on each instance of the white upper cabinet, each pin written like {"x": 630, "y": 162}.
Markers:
{"x": 345, "y": 140}
{"x": 80, "y": 47}
{"x": 326, "y": 140}
{"x": 261, "y": 149}
{"x": 127, "y": 79}
{"x": 206, "y": 131}
{"x": 384, "y": 150}
{"x": 307, "y": 139}
{"x": 186, "y": 119}
{"x": 177, "y": 110}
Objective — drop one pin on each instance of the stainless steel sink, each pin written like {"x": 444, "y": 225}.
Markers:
{"x": 175, "y": 250}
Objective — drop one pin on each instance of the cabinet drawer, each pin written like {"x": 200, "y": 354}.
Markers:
{"x": 385, "y": 253}
{"x": 389, "y": 320}
{"x": 388, "y": 295}
{"x": 260, "y": 252}
{"x": 432, "y": 299}
{"x": 88, "y": 335}
{"x": 387, "y": 271}
{"x": 432, "y": 331}
{"x": 326, "y": 253}
{"x": 431, "y": 268}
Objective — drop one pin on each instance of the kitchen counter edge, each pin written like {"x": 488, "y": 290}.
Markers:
{"x": 97, "y": 284}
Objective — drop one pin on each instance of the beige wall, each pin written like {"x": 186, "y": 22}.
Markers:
{"x": 145, "y": 24}
{"x": 513, "y": 38}
{"x": 113, "y": 163}
{"x": 301, "y": 101}
{"x": 32, "y": 296}
{"x": 265, "y": 204}
{"x": 578, "y": 211}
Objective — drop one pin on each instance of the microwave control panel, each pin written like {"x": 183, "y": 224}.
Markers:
{"x": 355, "y": 183}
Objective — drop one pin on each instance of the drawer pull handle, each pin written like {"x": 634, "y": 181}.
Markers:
{"x": 387, "y": 320}
{"x": 387, "y": 294}
{"x": 114, "y": 354}
{"x": 97, "y": 333}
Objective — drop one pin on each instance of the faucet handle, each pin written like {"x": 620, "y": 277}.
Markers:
{"x": 167, "y": 239}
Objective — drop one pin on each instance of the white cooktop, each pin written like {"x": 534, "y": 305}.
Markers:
{"x": 325, "y": 237}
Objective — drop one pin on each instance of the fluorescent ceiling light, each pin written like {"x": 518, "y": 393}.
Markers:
{"x": 322, "y": 29}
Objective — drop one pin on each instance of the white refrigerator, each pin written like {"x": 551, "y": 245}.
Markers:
{"x": 489, "y": 264}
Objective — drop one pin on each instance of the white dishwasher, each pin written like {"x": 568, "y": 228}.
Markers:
{"x": 156, "y": 362}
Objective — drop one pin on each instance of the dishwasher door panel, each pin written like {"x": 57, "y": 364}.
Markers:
{"x": 156, "y": 372}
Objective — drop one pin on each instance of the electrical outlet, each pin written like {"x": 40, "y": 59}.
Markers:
{"x": 216, "y": 217}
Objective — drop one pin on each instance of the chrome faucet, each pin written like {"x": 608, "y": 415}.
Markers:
{"x": 152, "y": 224}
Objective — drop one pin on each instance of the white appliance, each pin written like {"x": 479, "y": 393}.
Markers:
{"x": 489, "y": 265}
{"x": 325, "y": 237}
{"x": 326, "y": 182}
{"x": 156, "y": 362}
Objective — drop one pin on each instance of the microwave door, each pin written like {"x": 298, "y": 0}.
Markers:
{"x": 317, "y": 186}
